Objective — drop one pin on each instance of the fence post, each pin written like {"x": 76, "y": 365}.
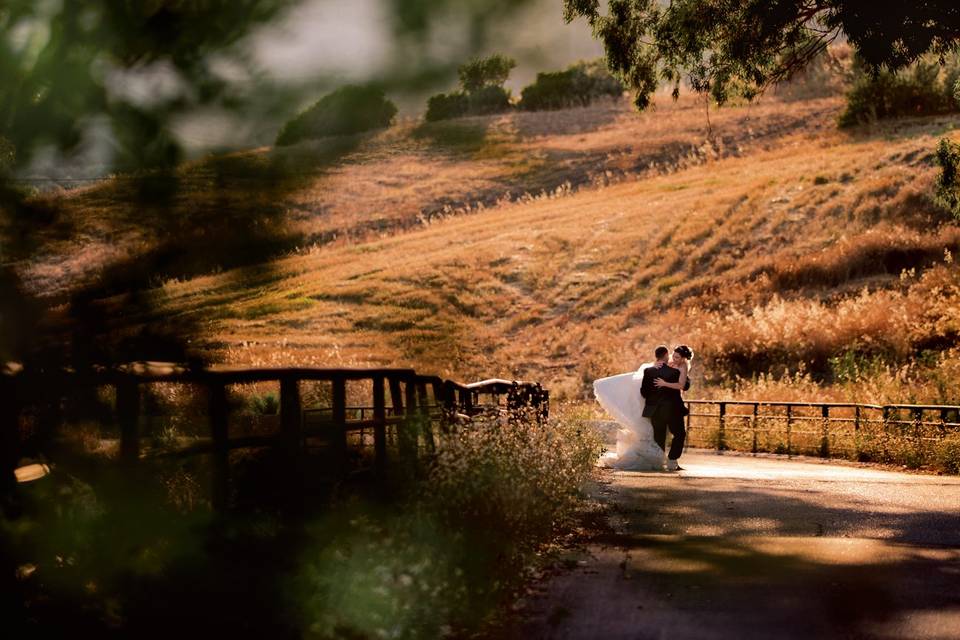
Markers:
{"x": 825, "y": 437}
{"x": 339, "y": 413}
{"x": 449, "y": 395}
{"x": 220, "y": 491}
{"x": 466, "y": 400}
{"x": 856, "y": 431}
{"x": 756, "y": 408}
{"x": 918, "y": 432}
{"x": 543, "y": 407}
{"x": 409, "y": 434}
{"x": 721, "y": 428}
{"x": 380, "y": 427}
{"x": 424, "y": 416}
{"x": 10, "y": 437}
{"x": 789, "y": 429}
{"x": 396, "y": 397}
{"x": 886, "y": 431}
{"x": 128, "y": 410}
{"x": 291, "y": 417}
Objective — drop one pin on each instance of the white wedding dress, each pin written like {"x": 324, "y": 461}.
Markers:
{"x": 636, "y": 449}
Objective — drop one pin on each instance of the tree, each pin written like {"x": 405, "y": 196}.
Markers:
{"x": 947, "y": 193}
{"x": 491, "y": 71}
{"x": 349, "y": 109}
{"x": 482, "y": 92}
{"x": 729, "y": 48}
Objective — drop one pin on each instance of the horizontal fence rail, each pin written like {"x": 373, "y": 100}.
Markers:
{"x": 888, "y": 432}
{"x": 409, "y": 409}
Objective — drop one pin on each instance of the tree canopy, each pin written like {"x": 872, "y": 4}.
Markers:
{"x": 491, "y": 71}
{"x": 729, "y": 48}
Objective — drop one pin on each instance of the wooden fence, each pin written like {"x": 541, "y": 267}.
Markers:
{"x": 419, "y": 406}
{"x": 858, "y": 431}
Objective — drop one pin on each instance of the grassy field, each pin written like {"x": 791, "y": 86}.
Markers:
{"x": 564, "y": 246}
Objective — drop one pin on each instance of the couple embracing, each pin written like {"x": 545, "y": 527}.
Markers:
{"x": 648, "y": 404}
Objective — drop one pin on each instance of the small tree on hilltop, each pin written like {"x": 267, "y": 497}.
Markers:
{"x": 491, "y": 71}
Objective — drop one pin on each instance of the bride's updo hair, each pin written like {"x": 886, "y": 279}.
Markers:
{"x": 685, "y": 351}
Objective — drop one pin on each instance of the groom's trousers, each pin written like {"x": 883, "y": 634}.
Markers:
{"x": 664, "y": 419}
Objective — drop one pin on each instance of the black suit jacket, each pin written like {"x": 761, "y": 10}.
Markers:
{"x": 657, "y": 398}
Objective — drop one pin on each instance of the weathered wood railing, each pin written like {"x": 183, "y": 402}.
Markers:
{"x": 822, "y": 428}
{"x": 418, "y": 406}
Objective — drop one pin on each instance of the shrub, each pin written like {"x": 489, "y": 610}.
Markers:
{"x": 489, "y": 99}
{"x": 491, "y": 71}
{"x": 492, "y": 495}
{"x": 948, "y": 182}
{"x": 947, "y": 454}
{"x": 924, "y": 89}
{"x": 268, "y": 404}
{"x": 482, "y": 92}
{"x": 578, "y": 85}
{"x": 350, "y": 109}
{"x": 483, "y": 101}
{"x": 444, "y": 106}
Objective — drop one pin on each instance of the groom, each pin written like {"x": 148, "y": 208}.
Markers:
{"x": 665, "y": 406}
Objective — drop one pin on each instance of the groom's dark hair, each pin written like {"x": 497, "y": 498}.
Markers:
{"x": 661, "y": 352}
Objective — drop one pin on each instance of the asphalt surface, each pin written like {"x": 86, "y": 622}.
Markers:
{"x": 744, "y": 547}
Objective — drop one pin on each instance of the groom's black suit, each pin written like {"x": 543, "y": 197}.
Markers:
{"x": 665, "y": 408}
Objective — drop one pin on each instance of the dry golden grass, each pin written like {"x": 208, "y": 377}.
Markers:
{"x": 771, "y": 248}
{"x": 343, "y": 189}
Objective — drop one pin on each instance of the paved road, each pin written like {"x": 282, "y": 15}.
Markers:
{"x": 749, "y": 547}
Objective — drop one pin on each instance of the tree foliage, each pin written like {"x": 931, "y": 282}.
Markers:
{"x": 948, "y": 182}
{"x": 444, "y": 106}
{"x": 926, "y": 88}
{"x": 57, "y": 61}
{"x": 577, "y": 85}
{"x": 491, "y": 71}
{"x": 481, "y": 90}
{"x": 729, "y": 48}
{"x": 349, "y": 109}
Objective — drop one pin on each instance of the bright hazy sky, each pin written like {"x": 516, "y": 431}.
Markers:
{"x": 351, "y": 40}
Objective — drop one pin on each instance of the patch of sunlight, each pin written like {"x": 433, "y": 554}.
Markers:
{"x": 649, "y": 561}
{"x": 939, "y": 624}
{"x": 31, "y": 472}
{"x": 846, "y": 551}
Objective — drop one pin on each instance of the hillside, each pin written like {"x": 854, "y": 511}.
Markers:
{"x": 783, "y": 244}
{"x": 357, "y": 187}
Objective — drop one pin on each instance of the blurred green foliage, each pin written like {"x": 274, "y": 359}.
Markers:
{"x": 58, "y": 63}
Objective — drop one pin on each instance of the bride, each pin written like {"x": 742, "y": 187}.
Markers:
{"x": 636, "y": 448}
